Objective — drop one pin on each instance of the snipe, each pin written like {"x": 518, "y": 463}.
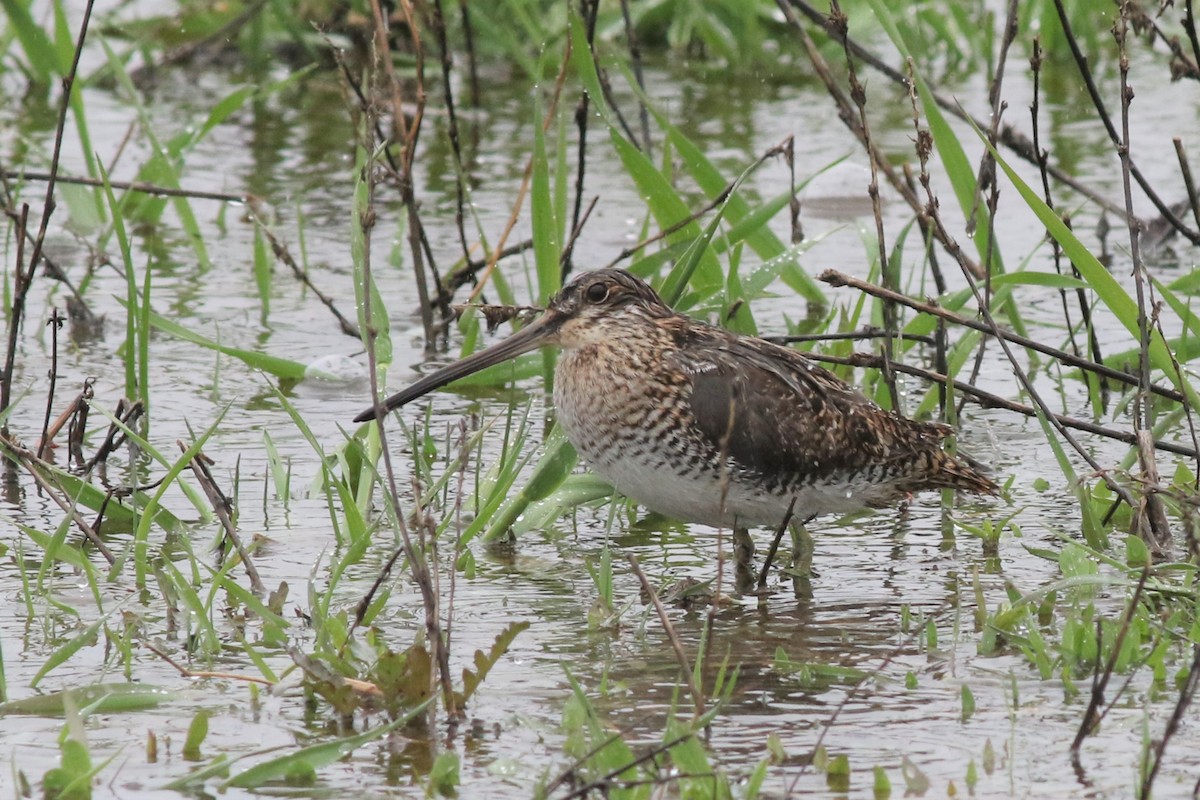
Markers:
{"x": 707, "y": 426}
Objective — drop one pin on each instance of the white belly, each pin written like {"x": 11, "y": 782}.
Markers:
{"x": 639, "y": 445}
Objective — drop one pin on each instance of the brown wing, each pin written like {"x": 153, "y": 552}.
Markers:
{"x": 775, "y": 412}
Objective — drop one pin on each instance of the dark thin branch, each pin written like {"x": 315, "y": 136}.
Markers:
{"x": 858, "y": 94}
{"x": 1187, "y": 693}
{"x": 672, "y": 637}
{"x": 223, "y": 507}
{"x": 283, "y": 254}
{"x": 1100, "y": 682}
{"x": 1102, "y": 111}
{"x": 848, "y": 118}
{"x": 989, "y": 400}
{"x": 129, "y": 186}
{"x": 55, "y": 324}
{"x": 1011, "y": 138}
{"x": 835, "y": 278}
{"x": 1189, "y": 184}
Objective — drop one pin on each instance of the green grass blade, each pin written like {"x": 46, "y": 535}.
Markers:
{"x": 379, "y": 322}
{"x": 103, "y": 698}
{"x": 74, "y": 645}
{"x": 557, "y": 461}
{"x": 665, "y": 203}
{"x": 307, "y": 760}
{"x": 39, "y": 50}
{"x": 274, "y": 365}
{"x": 546, "y": 243}
{"x": 1098, "y": 278}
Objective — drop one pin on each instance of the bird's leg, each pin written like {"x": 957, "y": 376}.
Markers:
{"x": 802, "y": 556}
{"x": 743, "y": 554}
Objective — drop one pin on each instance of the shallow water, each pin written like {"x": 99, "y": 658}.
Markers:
{"x": 295, "y": 149}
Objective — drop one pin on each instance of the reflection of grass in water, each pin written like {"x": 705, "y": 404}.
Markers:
{"x": 1113, "y": 606}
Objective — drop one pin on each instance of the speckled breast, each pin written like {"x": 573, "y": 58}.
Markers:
{"x": 631, "y": 422}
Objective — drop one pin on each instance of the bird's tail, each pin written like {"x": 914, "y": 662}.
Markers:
{"x": 961, "y": 472}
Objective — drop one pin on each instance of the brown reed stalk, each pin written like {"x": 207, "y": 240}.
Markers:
{"x": 858, "y": 94}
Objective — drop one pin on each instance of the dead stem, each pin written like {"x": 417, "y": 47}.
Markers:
{"x": 1118, "y": 142}
{"x": 469, "y": 37}
{"x": 223, "y": 507}
{"x": 23, "y": 279}
{"x": 1150, "y": 519}
{"x": 42, "y": 473}
{"x": 847, "y": 116}
{"x": 129, "y": 186}
{"x": 55, "y": 324}
{"x": 1091, "y": 716}
{"x": 527, "y": 176}
{"x": 192, "y": 673}
{"x": 672, "y": 637}
{"x": 75, "y": 416}
{"x": 858, "y": 94}
{"x": 1189, "y": 26}
{"x": 445, "y": 60}
{"x": 1043, "y": 164}
{"x": 126, "y": 414}
{"x": 1189, "y": 184}
{"x": 417, "y": 564}
{"x": 989, "y": 400}
{"x": 1187, "y": 692}
{"x": 280, "y": 249}
{"x": 589, "y": 10}
{"x": 635, "y": 60}
{"x": 835, "y": 278}
{"x": 1009, "y": 137}
{"x": 778, "y": 150}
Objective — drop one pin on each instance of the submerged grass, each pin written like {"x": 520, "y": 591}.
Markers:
{"x": 1116, "y": 602}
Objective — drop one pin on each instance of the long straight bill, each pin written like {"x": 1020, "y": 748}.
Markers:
{"x": 533, "y": 336}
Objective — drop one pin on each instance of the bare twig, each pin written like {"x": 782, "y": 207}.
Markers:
{"x": 418, "y": 566}
{"x": 989, "y": 400}
{"x": 1150, "y": 520}
{"x": 203, "y": 673}
{"x": 672, "y": 637}
{"x": 42, "y": 473}
{"x": 23, "y": 278}
{"x": 847, "y": 115}
{"x": 129, "y": 186}
{"x": 55, "y": 324}
{"x": 1189, "y": 184}
{"x": 1009, "y": 136}
{"x": 469, "y": 36}
{"x": 858, "y": 94}
{"x": 223, "y": 507}
{"x": 127, "y": 413}
{"x": 1102, "y": 676}
{"x": 282, "y": 253}
{"x": 1117, "y": 140}
{"x": 835, "y": 278}
{"x": 635, "y": 59}
{"x": 460, "y": 195}
{"x": 1187, "y": 693}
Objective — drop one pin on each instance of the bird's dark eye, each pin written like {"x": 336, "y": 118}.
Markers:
{"x": 597, "y": 292}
